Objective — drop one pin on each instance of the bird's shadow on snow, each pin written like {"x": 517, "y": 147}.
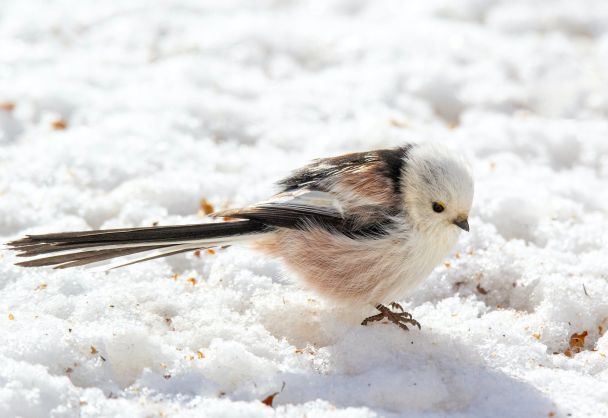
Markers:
{"x": 420, "y": 373}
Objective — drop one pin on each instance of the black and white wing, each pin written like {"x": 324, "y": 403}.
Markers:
{"x": 356, "y": 194}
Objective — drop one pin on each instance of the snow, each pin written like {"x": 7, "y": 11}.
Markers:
{"x": 165, "y": 103}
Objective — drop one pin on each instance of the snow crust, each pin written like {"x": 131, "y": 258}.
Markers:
{"x": 122, "y": 113}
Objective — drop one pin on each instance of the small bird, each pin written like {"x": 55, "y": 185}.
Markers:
{"x": 360, "y": 228}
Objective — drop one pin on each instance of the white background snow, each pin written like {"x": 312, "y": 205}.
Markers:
{"x": 126, "y": 113}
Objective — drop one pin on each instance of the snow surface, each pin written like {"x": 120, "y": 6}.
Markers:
{"x": 165, "y": 103}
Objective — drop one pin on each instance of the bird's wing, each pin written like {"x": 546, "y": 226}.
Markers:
{"x": 304, "y": 208}
{"x": 357, "y": 194}
{"x": 288, "y": 209}
{"x": 359, "y": 180}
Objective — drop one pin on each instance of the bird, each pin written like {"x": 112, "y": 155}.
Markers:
{"x": 363, "y": 228}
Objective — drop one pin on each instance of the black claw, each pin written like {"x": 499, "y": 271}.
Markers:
{"x": 395, "y": 305}
{"x": 397, "y": 318}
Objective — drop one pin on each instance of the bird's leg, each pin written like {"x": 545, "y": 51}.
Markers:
{"x": 397, "y": 318}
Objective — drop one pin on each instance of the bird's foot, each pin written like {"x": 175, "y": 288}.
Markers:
{"x": 398, "y": 318}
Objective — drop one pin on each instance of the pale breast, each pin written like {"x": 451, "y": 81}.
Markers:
{"x": 353, "y": 270}
{"x": 424, "y": 253}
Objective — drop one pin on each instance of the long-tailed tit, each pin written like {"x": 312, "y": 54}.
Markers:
{"x": 362, "y": 228}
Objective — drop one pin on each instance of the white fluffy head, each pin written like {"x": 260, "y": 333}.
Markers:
{"x": 438, "y": 188}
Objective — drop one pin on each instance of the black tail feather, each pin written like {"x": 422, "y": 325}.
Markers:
{"x": 86, "y": 257}
{"x": 166, "y": 233}
{"x": 86, "y": 247}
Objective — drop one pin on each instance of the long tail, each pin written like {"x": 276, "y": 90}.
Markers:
{"x": 71, "y": 249}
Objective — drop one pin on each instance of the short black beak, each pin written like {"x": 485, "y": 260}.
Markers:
{"x": 462, "y": 223}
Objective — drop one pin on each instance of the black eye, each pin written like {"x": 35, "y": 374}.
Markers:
{"x": 438, "y": 207}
